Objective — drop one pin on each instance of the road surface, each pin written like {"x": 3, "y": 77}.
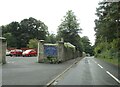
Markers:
{"x": 0, "y": 75}
{"x": 26, "y": 71}
{"x": 90, "y": 71}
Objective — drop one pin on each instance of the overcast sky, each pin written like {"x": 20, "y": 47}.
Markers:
{"x": 51, "y": 12}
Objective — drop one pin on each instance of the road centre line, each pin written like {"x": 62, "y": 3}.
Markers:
{"x": 113, "y": 76}
{"x": 99, "y": 65}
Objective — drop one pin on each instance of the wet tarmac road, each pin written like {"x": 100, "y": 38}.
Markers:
{"x": 90, "y": 71}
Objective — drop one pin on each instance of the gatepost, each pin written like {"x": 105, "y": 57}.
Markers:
{"x": 61, "y": 51}
{"x": 3, "y": 45}
{"x": 40, "y": 51}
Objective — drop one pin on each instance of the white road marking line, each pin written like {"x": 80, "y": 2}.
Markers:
{"x": 55, "y": 83}
{"x": 13, "y": 62}
{"x": 99, "y": 65}
{"x": 94, "y": 61}
{"x": 10, "y": 62}
{"x": 108, "y": 72}
{"x": 113, "y": 76}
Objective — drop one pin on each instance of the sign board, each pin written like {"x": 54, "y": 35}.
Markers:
{"x": 50, "y": 50}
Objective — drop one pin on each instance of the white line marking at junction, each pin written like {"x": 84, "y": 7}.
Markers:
{"x": 99, "y": 65}
{"x": 10, "y": 62}
{"x": 113, "y": 77}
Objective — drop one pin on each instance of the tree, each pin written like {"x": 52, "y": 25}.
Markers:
{"x": 33, "y": 43}
{"x": 107, "y": 30}
{"x": 32, "y": 28}
{"x": 24, "y": 31}
{"x": 107, "y": 25}
{"x": 51, "y": 38}
{"x": 87, "y": 48}
{"x": 11, "y": 41}
{"x": 69, "y": 30}
{"x": 11, "y": 33}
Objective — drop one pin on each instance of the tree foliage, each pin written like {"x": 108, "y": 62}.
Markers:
{"x": 24, "y": 31}
{"x": 107, "y": 25}
{"x": 33, "y": 43}
{"x": 87, "y": 48}
{"x": 51, "y": 38}
{"x": 107, "y": 30}
{"x": 69, "y": 30}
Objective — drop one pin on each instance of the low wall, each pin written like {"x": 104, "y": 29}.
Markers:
{"x": 69, "y": 51}
{"x": 61, "y": 51}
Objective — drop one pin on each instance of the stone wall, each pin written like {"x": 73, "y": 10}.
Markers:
{"x": 3, "y": 46}
{"x": 65, "y": 51}
{"x": 69, "y": 51}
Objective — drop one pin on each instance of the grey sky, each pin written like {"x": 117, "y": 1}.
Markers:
{"x": 51, "y": 12}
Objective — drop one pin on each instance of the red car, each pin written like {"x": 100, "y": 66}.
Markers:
{"x": 29, "y": 52}
{"x": 16, "y": 52}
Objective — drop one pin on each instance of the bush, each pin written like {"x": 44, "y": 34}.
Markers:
{"x": 52, "y": 59}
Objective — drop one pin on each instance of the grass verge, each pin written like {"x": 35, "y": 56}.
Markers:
{"x": 112, "y": 61}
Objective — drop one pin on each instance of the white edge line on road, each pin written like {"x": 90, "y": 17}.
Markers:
{"x": 113, "y": 76}
{"x": 99, "y": 65}
{"x": 108, "y": 73}
{"x": 61, "y": 74}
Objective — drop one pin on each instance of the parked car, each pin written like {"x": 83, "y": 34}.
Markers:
{"x": 29, "y": 52}
{"x": 8, "y": 53}
{"x": 16, "y": 52}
